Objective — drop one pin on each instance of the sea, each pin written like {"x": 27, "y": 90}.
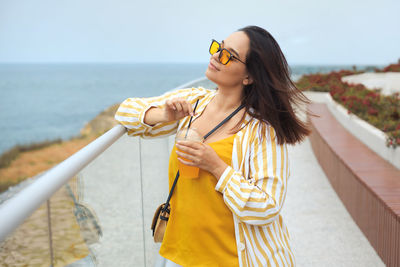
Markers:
{"x": 40, "y": 102}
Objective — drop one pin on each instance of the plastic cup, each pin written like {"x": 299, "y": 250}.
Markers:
{"x": 186, "y": 171}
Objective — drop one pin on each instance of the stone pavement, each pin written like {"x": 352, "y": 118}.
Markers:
{"x": 128, "y": 181}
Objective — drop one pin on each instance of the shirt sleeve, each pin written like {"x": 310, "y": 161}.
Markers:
{"x": 259, "y": 199}
{"x": 131, "y": 113}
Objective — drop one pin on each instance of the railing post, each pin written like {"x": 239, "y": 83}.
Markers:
{"x": 50, "y": 233}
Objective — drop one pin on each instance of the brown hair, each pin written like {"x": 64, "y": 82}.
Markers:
{"x": 272, "y": 95}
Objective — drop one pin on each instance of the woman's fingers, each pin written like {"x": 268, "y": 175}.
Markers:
{"x": 189, "y": 108}
{"x": 189, "y": 147}
{"x": 181, "y": 105}
{"x": 200, "y": 155}
{"x": 185, "y": 156}
{"x": 189, "y": 163}
{"x": 178, "y": 106}
{"x": 186, "y": 107}
{"x": 186, "y": 149}
{"x": 170, "y": 105}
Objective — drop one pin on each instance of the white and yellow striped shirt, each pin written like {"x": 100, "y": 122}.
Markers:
{"x": 253, "y": 188}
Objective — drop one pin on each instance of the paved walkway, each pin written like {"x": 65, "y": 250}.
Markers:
{"x": 125, "y": 195}
{"x": 323, "y": 232}
{"x": 387, "y": 82}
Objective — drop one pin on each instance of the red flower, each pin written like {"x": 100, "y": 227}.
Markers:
{"x": 372, "y": 111}
{"x": 366, "y": 102}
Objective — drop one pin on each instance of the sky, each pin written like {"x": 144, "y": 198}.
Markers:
{"x": 308, "y": 31}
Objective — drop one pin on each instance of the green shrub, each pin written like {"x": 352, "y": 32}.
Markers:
{"x": 7, "y": 157}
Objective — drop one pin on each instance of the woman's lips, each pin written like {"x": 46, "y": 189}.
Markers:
{"x": 211, "y": 66}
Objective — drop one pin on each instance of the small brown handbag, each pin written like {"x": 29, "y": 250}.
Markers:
{"x": 159, "y": 223}
{"x": 161, "y": 216}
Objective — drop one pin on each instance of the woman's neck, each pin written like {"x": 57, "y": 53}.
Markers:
{"x": 228, "y": 99}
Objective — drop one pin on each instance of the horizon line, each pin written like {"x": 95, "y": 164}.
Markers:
{"x": 172, "y": 62}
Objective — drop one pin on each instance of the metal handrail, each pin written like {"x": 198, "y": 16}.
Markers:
{"x": 15, "y": 210}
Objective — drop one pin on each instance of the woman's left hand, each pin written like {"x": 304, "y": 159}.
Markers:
{"x": 201, "y": 155}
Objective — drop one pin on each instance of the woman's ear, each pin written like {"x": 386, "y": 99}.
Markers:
{"x": 248, "y": 80}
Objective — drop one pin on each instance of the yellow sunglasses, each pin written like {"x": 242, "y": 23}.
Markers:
{"x": 225, "y": 55}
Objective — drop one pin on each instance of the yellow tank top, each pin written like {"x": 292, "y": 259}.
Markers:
{"x": 200, "y": 231}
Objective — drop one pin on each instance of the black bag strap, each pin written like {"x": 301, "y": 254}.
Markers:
{"x": 223, "y": 122}
{"x": 204, "y": 138}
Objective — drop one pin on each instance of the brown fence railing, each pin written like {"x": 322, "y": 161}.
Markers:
{"x": 367, "y": 185}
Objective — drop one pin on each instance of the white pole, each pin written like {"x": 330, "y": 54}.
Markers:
{"x": 15, "y": 210}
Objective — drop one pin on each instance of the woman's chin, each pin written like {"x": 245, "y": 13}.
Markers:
{"x": 211, "y": 75}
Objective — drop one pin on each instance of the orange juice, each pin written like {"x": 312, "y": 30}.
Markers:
{"x": 186, "y": 171}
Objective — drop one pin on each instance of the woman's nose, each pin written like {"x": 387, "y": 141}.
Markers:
{"x": 216, "y": 56}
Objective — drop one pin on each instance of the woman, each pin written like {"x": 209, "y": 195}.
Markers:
{"x": 230, "y": 214}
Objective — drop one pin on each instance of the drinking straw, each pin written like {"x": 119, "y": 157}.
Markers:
{"x": 191, "y": 117}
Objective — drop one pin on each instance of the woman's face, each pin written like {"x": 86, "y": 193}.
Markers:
{"x": 234, "y": 73}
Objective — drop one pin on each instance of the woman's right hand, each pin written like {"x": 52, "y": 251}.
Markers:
{"x": 176, "y": 109}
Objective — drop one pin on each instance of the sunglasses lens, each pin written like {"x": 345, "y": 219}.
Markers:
{"x": 224, "y": 56}
{"x": 214, "y": 47}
